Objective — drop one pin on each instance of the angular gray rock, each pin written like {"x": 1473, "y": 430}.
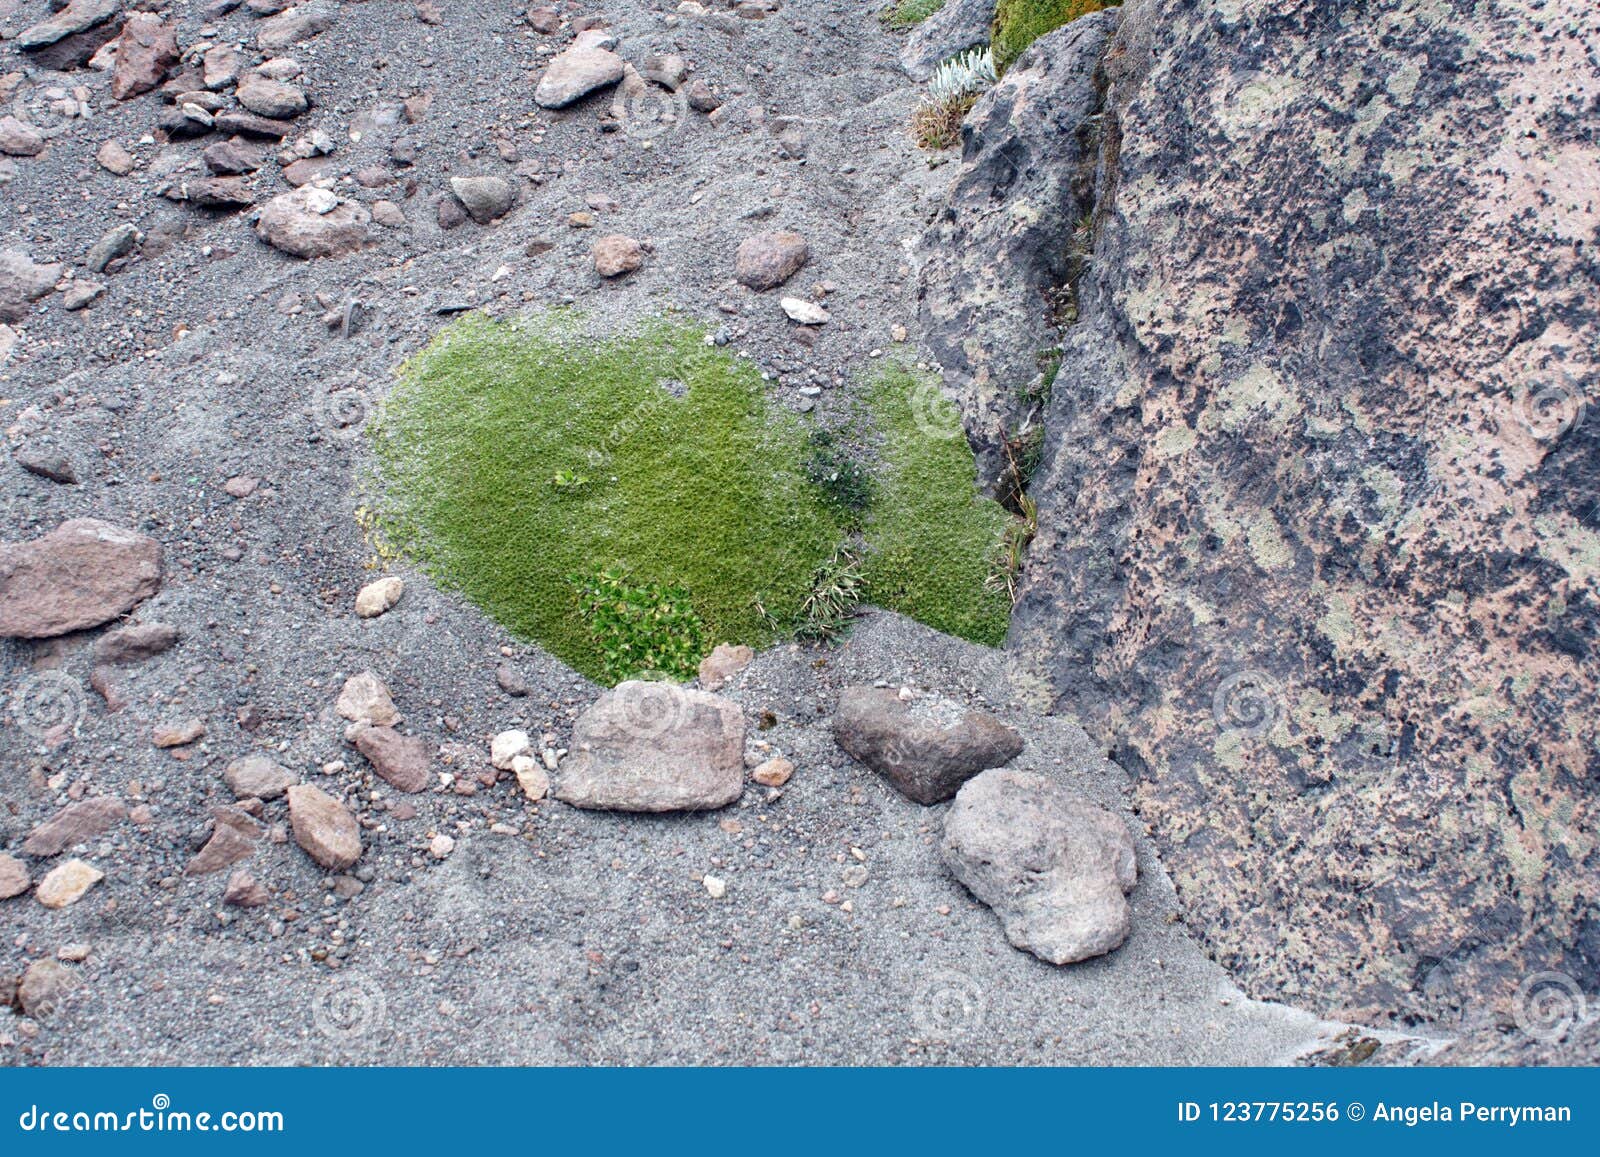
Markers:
{"x": 290, "y": 27}
{"x": 256, "y": 776}
{"x": 574, "y": 74}
{"x": 119, "y": 241}
{"x": 69, "y": 38}
{"x": 312, "y": 222}
{"x": 272, "y": 98}
{"x": 655, "y": 747}
{"x": 486, "y": 199}
{"x": 19, "y": 139}
{"x": 1055, "y": 868}
{"x": 956, "y": 27}
{"x": 926, "y": 747}
{"x": 83, "y": 573}
{"x": 767, "y": 260}
{"x": 23, "y": 281}
{"x": 46, "y": 462}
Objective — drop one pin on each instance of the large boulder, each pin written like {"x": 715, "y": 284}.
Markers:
{"x": 1055, "y": 868}
{"x": 655, "y": 747}
{"x": 926, "y": 746}
{"x": 83, "y": 573}
{"x": 1317, "y": 550}
{"x": 1000, "y": 258}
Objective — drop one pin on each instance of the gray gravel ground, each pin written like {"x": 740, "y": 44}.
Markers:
{"x": 583, "y": 938}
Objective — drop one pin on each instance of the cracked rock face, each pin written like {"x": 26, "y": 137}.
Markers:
{"x": 927, "y": 748}
{"x": 655, "y": 747}
{"x": 1317, "y": 521}
{"x": 1055, "y": 868}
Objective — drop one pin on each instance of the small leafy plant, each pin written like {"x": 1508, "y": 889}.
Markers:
{"x": 952, "y": 92}
{"x": 640, "y": 628}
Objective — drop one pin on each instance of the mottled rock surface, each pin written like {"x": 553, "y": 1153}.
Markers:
{"x": 1055, "y": 868}
{"x": 655, "y": 747}
{"x": 83, "y": 573}
{"x": 1317, "y": 520}
{"x": 926, "y": 746}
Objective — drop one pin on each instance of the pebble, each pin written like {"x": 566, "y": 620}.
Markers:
{"x": 507, "y": 746}
{"x": 115, "y": 159}
{"x": 365, "y": 698}
{"x": 80, "y": 294}
{"x": 324, "y": 827}
{"x": 14, "y": 879}
{"x": 716, "y": 887}
{"x": 378, "y": 597}
{"x": 774, "y": 772}
{"x": 66, "y": 883}
{"x": 616, "y": 255}
{"x": 804, "y": 312}
{"x": 43, "y": 987}
{"x": 531, "y": 777}
{"x": 441, "y": 846}
{"x": 485, "y": 199}
{"x": 178, "y": 734}
{"x": 257, "y": 777}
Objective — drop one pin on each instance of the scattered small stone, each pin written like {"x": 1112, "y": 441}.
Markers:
{"x": 378, "y": 597}
{"x": 400, "y": 760}
{"x": 117, "y": 242}
{"x": 46, "y": 463}
{"x": 14, "y": 879}
{"x": 66, "y": 883}
{"x": 531, "y": 777}
{"x": 389, "y": 215}
{"x": 230, "y": 842}
{"x": 19, "y": 139}
{"x": 725, "y": 661}
{"x": 257, "y": 777}
{"x": 774, "y": 772}
{"x": 767, "y": 260}
{"x": 80, "y": 294}
{"x": 241, "y": 485}
{"x": 441, "y": 846}
{"x": 272, "y": 98}
{"x": 451, "y": 213}
{"x": 134, "y": 643}
{"x": 146, "y": 51}
{"x": 616, "y": 255}
{"x": 178, "y": 734}
{"x": 233, "y": 157}
{"x": 805, "y": 312}
{"x": 226, "y": 193}
{"x": 324, "y": 828}
{"x": 365, "y": 699}
{"x": 74, "y": 953}
{"x": 248, "y": 124}
{"x": 701, "y": 98}
{"x": 486, "y": 199}
{"x": 506, "y": 746}
{"x": 573, "y": 74}
{"x": 312, "y": 222}
{"x": 716, "y": 887}
{"x": 511, "y": 681}
{"x": 221, "y": 65}
{"x": 115, "y": 159}
{"x": 290, "y": 27}
{"x": 544, "y": 19}
{"x": 243, "y": 891}
{"x": 45, "y": 984}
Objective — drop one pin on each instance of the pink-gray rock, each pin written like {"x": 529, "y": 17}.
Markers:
{"x": 74, "y": 824}
{"x": 365, "y": 698}
{"x": 292, "y": 26}
{"x": 146, "y": 52}
{"x": 23, "y": 281}
{"x": 73, "y": 35}
{"x": 573, "y": 74}
{"x": 655, "y": 747}
{"x": 19, "y": 139}
{"x": 324, "y": 827}
{"x": 14, "y": 879}
{"x": 134, "y": 643}
{"x": 312, "y": 222}
{"x": 257, "y": 777}
{"x": 927, "y": 747}
{"x": 725, "y": 661}
{"x": 244, "y": 892}
{"x": 486, "y": 199}
{"x": 233, "y": 838}
{"x": 616, "y": 255}
{"x": 401, "y": 760}
{"x": 233, "y": 157}
{"x": 44, "y": 985}
{"x": 767, "y": 260}
{"x": 1055, "y": 868}
{"x": 272, "y": 98}
{"x": 83, "y": 573}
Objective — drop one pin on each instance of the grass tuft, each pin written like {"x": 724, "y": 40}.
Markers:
{"x": 909, "y": 13}
{"x": 1018, "y": 23}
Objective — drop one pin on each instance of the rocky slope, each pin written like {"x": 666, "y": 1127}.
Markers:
{"x": 1318, "y": 506}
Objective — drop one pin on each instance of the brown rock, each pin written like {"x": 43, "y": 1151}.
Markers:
{"x": 401, "y": 760}
{"x": 82, "y": 574}
{"x": 379, "y": 596}
{"x": 229, "y": 843}
{"x": 544, "y": 19}
{"x": 178, "y": 734}
{"x": 272, "y": 98}
{"x": 775, "y": 772}
{"x": 257, "y": 777}
{"x": 74, "y": 824}
{"x": 312, "y": 222}
{"x": 324, "y": 828}
{"x": 573, "y": 74}
{"x": 14, "y": 879}
{"x": 115, "y": 159}
{"x": 44, "y": 986}
{"x": 244, "y": 892}
{"x": 248, "y": 124}
{"x": 66, "y": 883}
{"x": 233, "y": 157}
{"x": 135, "y": 643}
{"x": 146, "y": 52}
{"x": 927, "y": 747}
{"x": 767, "y": 260}
{"x": 616, "y": 255}
{"x": 725, "y": 661}
{"x": 365, "y": 699}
